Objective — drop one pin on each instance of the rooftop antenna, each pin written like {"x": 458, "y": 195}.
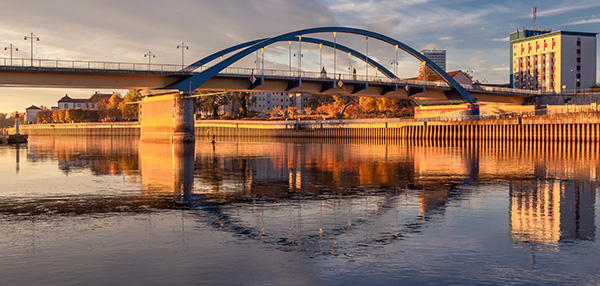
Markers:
{"x": 534, "y": 15}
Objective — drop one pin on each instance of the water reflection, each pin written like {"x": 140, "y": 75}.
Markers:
{"x": 323, "y": 196}
{"x": 547, "y": 212}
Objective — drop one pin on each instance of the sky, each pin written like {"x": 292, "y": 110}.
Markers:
{"x": 474, "y": 33}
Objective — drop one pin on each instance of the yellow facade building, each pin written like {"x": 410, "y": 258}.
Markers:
{"x": 554, "y": 62}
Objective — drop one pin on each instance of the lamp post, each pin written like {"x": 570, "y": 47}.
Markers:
{"x": 320, "y": 57}
{"x": 395, "y": 64}
{"x": 299, "y": 55}
{"x": 149, "y": 55}
{"x": 367, "y": 62}
{"x": 574, "y": 81}
{"x": 183, "y": 47}
{"x": 349, "y": 63}
{"x": 32, "y": 37}
{"x": 11, "y": 47}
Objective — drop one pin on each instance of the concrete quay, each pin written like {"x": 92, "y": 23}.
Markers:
{"x": 581, "y": 126}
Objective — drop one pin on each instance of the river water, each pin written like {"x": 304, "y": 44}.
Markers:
{"x": 117, "y": 211}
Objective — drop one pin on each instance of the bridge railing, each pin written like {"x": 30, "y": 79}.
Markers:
{"x": 89, "y": 65}
{"x": 502, "y": 89}
{"x": 147, "y": 67}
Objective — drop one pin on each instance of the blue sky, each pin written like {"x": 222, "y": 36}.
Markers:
{"x": 474, "y": 33}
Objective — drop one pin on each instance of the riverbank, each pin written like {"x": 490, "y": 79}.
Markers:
{"x": 581, "y": 126}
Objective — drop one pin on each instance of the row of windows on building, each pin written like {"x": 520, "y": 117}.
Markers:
{"x": 537, "y": 47}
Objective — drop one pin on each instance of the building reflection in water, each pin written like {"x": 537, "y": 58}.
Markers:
{"x": 307, "y": 195}
{"x": 547, "y": 212}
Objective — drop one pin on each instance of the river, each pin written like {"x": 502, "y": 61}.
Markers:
{"x": 114, "y": 210}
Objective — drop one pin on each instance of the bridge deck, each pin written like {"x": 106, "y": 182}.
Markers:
{"x": 114, "y": 75}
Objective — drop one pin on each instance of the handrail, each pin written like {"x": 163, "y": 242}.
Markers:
{"x": 161, "y": 68}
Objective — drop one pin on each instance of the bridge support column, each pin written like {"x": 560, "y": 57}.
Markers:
{"x": 166, "y": 116}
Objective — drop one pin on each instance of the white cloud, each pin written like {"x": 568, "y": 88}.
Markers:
{"x": 580, "y": 22}
{"x": 505, "y": 39}
{"x": 563, "y": 8}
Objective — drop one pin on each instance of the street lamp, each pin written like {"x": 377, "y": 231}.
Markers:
{"x": 349, "y": 63}
{"x": 183, "y": 47}
{"x": 395, "y": 64}
{"x": 574, "y": 81}
{"x": 32, "y": 37}
{"x": 149, "y": 55}
{"x": 299, "y": 55}
{"x": 320, "y": 57}
{"x": 11, "y": 47}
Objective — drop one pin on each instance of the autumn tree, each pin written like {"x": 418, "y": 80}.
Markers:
{"x": 128, "y": 108}
{"x": 368, "y": 104}
{"x": 309, "y": 111}
{"x": 44, "y": 116}
{"x": 245, "y": 99}
{"x": 210, "y": 102}
{"x": 75, "y": 115}
{"x": 92, "y": 115}
{"x": 426, "y": 73}
{"x": 6, "y": 120}
{"x": 277, "y": 111}
{"x": 291, "y": 112}
{"x": 58, "y": 116}
{"x": 108, "y": 110}
{"x": 317, "y": 100}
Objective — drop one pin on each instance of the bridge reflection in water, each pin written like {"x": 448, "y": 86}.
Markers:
{"x": 306, "y": 197}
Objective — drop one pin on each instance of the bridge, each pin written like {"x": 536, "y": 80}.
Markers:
{"x": 119, "y": 75}
{"x": 177, "y": 82}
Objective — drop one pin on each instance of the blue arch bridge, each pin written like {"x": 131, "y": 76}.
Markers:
{"x": 173, "y": 84}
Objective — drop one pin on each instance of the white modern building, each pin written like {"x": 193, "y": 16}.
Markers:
{"x": 436, "y": 56}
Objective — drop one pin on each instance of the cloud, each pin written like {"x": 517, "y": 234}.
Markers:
{"x": 567, "y": 8}
{"x": 505, "y": 39}
{"x": 446, "y": 38}
{"x": 580, "y": 22}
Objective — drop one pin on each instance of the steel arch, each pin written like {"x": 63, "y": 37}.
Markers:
{"x": 330, "y": 44}
{"x": 197, "y": 80}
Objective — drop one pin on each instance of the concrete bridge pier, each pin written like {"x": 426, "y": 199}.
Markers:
{"x": 166, "y": 115}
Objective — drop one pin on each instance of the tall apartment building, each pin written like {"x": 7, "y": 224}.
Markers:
{"x": 436, "y": 56}
{"x": 557, "y": 62}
